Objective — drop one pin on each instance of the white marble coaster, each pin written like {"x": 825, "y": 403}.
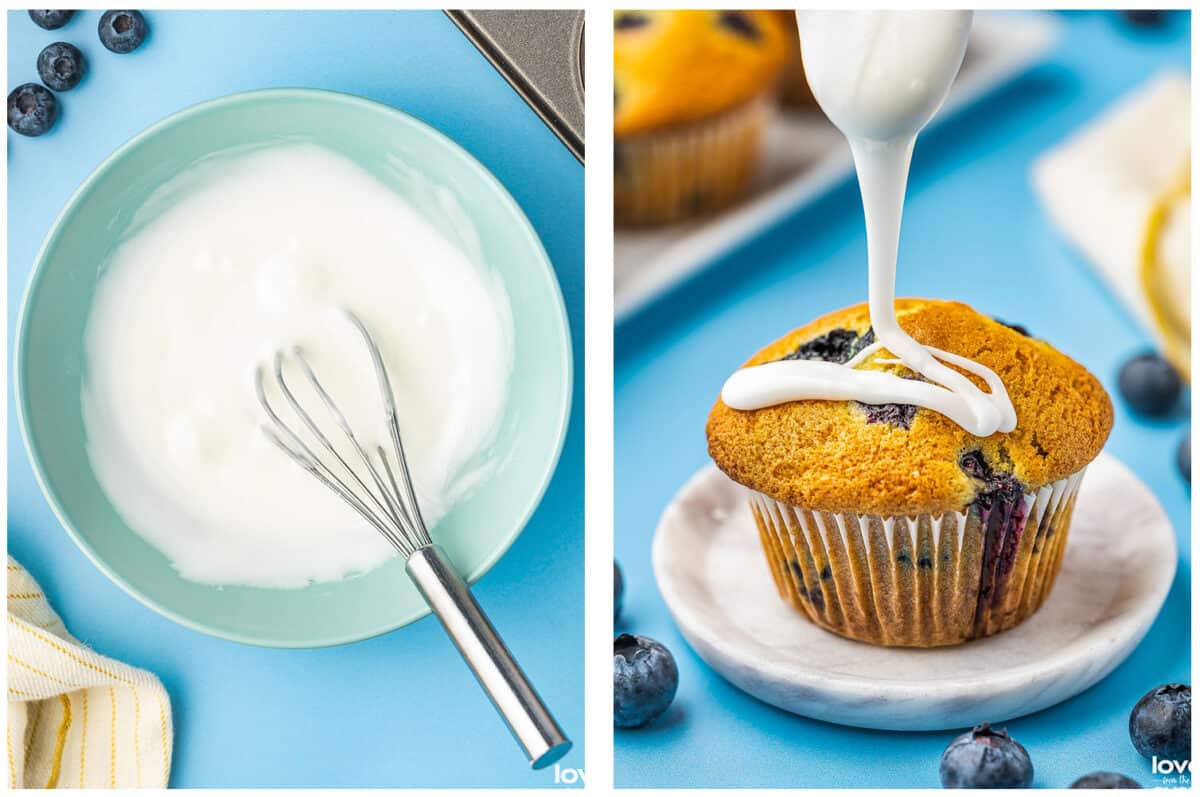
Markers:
{"x": 1118, "y": 567}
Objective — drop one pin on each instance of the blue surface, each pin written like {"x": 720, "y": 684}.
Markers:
{"x": 402, "y": 709}
{"x": 972, "y": 231}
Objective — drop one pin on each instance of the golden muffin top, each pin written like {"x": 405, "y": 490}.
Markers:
{"x": 843, "y": 456}
{"x": 672, "y": 67}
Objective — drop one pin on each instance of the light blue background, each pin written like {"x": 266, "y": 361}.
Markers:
{"x": 402, "y": 709}
{"x": 972, "y": 231}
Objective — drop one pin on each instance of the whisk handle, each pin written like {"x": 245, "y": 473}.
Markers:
{"x": 481, "y": 647}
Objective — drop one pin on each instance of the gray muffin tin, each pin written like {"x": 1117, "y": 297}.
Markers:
{"x": 540, "y": 53}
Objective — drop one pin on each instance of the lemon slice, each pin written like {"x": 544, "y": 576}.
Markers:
{"x": 1166, "y": 270}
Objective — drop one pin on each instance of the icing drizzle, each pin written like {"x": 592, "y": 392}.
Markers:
{"x": 880, "y": 84}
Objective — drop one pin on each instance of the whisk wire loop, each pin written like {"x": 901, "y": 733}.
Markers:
{"x": 303, "y": 455}
{"x": 390, "y": 506}
{"x": 395, "y": 508}
{"x": 339, "y": 419}
{"x": 389, "y": 409}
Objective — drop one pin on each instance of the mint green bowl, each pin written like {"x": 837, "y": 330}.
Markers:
{"x": 50, "y": 368}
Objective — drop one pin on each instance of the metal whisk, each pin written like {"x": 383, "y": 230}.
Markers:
{"x": 387, "y": 501}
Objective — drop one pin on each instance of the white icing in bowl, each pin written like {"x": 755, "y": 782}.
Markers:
{"x": 237, "y": 257}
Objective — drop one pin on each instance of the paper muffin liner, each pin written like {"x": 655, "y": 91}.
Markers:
{"x": 690, "y": 169}
{"x": 794, "y": 90}
{"x": 793, "y": 84}
{"x": 919, "y": 581}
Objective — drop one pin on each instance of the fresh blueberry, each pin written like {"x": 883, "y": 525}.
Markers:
{"x": 1149, "y": 384}
{"x": 1144, "y": 17}
{"x": 1105, "y": 780}
{"x": 51, "y": 20}
{"x": 618, "y": 590}
{"x": 985, "y": 758}
{"x": 644, "y": 680}
{"x": 32, "y": 109}
{"x": 61, "y": 66}
{"x": 122, "y": 31}
{"x": 1161, "y": 723}
{"x": 1183, "y": 456}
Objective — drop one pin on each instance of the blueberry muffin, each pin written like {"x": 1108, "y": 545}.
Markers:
{"x": 793, "y": 85}
{"x": 890, "y": 524}
{"x": 693, "y": 92}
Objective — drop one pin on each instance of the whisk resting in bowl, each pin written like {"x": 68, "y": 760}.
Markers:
{"x": 386, "y": 500}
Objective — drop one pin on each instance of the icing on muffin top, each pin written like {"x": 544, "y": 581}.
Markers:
{"x": 672, "y": 67}
{"x": 895, "y": 459}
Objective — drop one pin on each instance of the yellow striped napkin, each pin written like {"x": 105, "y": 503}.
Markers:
{"x": 76, "y": 718}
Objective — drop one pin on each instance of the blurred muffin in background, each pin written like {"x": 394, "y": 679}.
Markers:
{"x": 693, "y": 93}
{"x": 793, "y": 85}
